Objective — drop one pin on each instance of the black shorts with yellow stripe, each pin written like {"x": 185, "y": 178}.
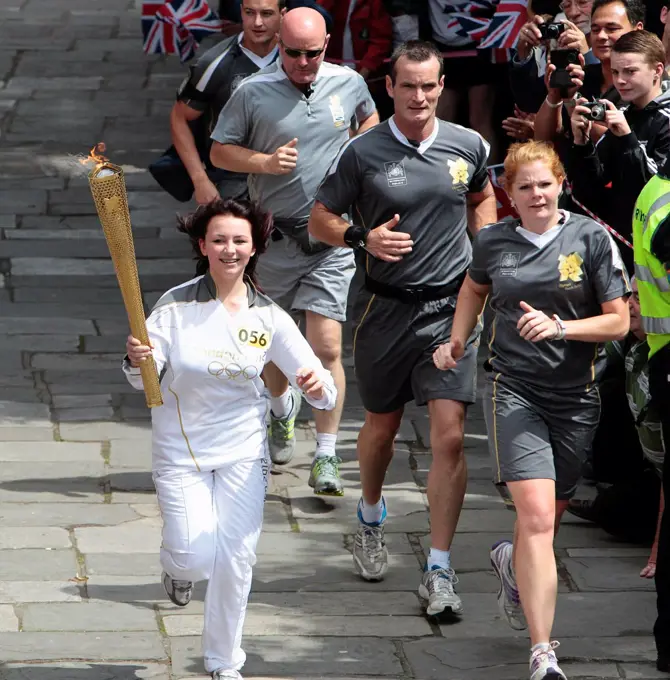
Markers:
{"x": 535, "y": 433}
{"x": 394, "y": 343}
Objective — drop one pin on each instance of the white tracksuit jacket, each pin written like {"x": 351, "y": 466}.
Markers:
{"x": 210, "y": 362}
{"x": 210, "y": 445}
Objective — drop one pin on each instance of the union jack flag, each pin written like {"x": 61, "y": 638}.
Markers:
{"x": 470, "y": 19}
{"x": 505, "y": 26}
{"x": 177, "y": 26}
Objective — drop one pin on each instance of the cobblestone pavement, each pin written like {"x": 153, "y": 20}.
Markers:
{"x": 79, "y": 576}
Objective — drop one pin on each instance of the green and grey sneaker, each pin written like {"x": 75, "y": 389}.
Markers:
{"x": 324, "y": 477}
{"x": 281, "y": 433}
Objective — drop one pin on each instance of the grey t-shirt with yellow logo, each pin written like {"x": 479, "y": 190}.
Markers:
{"x": 571, "y": 270}
{"x": 267, "y": 111}
{"x": 381, "y": 173}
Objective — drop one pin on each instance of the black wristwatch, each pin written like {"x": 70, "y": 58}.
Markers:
{"x": 355, "y": 237}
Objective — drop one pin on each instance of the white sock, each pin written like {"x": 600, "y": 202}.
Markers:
{"x": 325, "y": 445}
{"x": 439, "y": 558}
{"x": 281, "y": 406}
{"x": 540, "y": 646}
{"x": 372, "y": 514}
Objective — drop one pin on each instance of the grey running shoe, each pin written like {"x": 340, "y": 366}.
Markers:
{"x": 226, "y": 675}
{"x": 508, "y": 595}
{"x": 544, "y": 665}
{"x": 179, "y": 592}
{"x": 370, "y": 554}
{"x": 281, "y": 433}
{"x": 324, "y": 477}
{"x": 437, "y": 594}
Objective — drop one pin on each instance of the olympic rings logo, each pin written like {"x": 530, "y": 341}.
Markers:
{"x": 232, "y": 371}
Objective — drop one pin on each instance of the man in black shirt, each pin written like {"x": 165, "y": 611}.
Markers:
{"x": 207, "y": 88}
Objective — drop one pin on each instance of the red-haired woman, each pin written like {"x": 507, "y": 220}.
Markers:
{"x": 558, "y": 290}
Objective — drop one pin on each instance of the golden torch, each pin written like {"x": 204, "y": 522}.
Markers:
{"x": 111, "y": 201}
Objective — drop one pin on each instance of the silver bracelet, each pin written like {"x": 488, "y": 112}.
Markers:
{"x": 560, "y": 328}
{"x": 550, "y": 105}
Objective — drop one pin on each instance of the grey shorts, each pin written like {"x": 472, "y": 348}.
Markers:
{"x": 393, "y": 353}
{"x": 297, "y": 281}
{"x": 538, "y": 434}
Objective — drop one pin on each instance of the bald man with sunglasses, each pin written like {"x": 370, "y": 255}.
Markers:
{"x": 284, "y": 126}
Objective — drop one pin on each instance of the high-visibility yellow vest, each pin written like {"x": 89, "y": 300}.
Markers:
{"x": 653, "y": 280}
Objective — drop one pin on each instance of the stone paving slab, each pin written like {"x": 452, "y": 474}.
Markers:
{"x": 611, "y": 574}
{"x": 24, "y": 452}
{"x": 349, "y": 604}
{"x": 123, "y": 564}
{"x": 143, "y": 590}
{"x": 9, "y": 622}
{"x": 87, "y": 617}
{"x": 298, "y": 656}
{"x": 265, "y": 623}
{"x": 66, "y": 670}
{"x": 13, "y": 538}
{"x": 23, "y": 433}
{"x": 75, "y": 513}
{"x": 105, "y": 430}
{"x": 479, "y": 658}
{"x": 21, "y": 592}
{"x": 303, "y": 546}
{"x": 96, "y": 646}
{"x": 142, "y": 535}
{"x": 39, "y": 564}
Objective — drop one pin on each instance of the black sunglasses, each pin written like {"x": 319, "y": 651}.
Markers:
{"x": 295, "y": 54}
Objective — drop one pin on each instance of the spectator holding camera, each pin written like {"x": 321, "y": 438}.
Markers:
{"x": 530, "y": 61}
{"x": 637, "y": 141}
{"x": 610, "y": 19}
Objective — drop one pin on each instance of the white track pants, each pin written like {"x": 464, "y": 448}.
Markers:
{"x": 211, "y": 524}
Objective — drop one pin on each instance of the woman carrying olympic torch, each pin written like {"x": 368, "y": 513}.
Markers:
{"x": 210, "y": 339}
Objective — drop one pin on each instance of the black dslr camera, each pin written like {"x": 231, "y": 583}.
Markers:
{"x": 552, "y": 30}
{"x": 598, "y": 110}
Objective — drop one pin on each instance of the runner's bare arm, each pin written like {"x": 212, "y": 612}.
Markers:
{"x": 326, "y": 226}
{"x": 368, "y": 123}
{"x": 239, "y": 159}
{"x": 482, "y": 209}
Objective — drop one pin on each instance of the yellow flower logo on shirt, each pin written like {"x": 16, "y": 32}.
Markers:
{"x": 459, "y": 171}
{"x": 570, "y": 267}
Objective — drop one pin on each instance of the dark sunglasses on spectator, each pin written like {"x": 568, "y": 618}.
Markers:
{"x": 295, "y": 54}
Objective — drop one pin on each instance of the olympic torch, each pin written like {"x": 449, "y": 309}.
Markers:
{"x": 111, "y": 202}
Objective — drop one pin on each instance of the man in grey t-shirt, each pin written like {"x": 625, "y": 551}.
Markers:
{"x": 209, "y": 85}
{"x": 425, "y": 182}
{"x": 284, "y": 126}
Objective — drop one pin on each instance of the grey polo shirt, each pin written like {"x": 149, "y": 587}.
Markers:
{"x": 267, "y": 111}
{"x": 381, "y": 173}
{"x": 570, "y": 271}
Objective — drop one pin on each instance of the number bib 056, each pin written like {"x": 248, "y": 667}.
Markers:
{"x": 254, "y": 338}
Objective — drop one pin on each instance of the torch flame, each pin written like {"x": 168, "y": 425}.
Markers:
{"x": 95, "y": 155}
